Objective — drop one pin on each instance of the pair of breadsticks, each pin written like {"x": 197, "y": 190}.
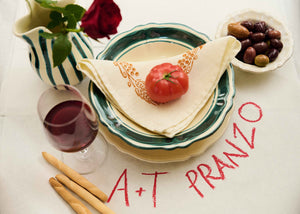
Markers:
{"x": 79, "y": 185}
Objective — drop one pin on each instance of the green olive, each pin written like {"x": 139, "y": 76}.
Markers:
{"x": 261, "y": 60}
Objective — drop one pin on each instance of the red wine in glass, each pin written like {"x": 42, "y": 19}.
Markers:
{"x": 70, "y": 130}
{"x": 72, "y": 127}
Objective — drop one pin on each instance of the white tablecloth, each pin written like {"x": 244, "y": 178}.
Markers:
{"x": 264, "y": 179}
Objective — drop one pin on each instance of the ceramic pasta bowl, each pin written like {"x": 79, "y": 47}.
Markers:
{"x": 153, "y": 41}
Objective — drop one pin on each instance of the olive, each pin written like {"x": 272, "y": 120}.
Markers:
{"x": 273, "y": 54}
{"x": 276, "y": 43}
{"x": 260, "y": 43}
{"x": 273, "y": 34}
{"x": 267, "y": 31}
{"x": 260, "y": 47}
{"x": 260, "y": 27}
{"x": 240, "y": 56}
{"x": 257, "y": 37}
{"x": 247, "y": 24}
{"x": 250, "y": 34}
{"x": 238, "y": 31}
{"x": 245, "y": 43}
{"x": 249, "y": 55}
{"x": 261, "y": 60}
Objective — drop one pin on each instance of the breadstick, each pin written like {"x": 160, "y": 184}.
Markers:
{"x": 77, "y": 205}
{"x": 85, "y": 195}
{"x": 75, "y": 176}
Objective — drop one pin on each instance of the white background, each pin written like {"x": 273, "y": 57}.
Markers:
{"x": 268, "y": 181}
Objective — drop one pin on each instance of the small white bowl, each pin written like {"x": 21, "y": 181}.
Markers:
{"x": 286, "y": 38}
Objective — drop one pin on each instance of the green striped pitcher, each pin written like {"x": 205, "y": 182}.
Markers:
{"x": 40, "y": 49}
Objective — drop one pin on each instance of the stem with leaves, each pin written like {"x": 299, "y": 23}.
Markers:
{"x": 65, "y": 19}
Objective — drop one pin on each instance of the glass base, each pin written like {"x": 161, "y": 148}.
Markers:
{"x": 89, "y": 159}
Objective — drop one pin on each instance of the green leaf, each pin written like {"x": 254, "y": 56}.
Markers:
{"x": 46, "y": 1}
{"x": 61, "y": 49}
{"x": 77, "y": 11}
{"x": 71, "y": 21}
{"x": 48, "y": 35}
{"x": 50, "y": 5}
{"x": 54, "y": 15}
{"x": 52, "y": 24}
{"x": 56, "y": 19}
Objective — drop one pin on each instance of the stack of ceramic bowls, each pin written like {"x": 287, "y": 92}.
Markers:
{"x": 149, "y": 42}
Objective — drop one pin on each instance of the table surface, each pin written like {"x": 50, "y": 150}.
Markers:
{"x": 265, "y": 177}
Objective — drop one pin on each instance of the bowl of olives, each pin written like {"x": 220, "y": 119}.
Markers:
{"x": 266, "y": 43}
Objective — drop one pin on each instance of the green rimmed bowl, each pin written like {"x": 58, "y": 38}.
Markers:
{"x": 149, "y": 42}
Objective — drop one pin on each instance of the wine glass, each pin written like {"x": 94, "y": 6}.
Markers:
{"x": 71, "y": 125}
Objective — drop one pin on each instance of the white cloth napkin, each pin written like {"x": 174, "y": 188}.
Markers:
{"x": 123, "y": 85}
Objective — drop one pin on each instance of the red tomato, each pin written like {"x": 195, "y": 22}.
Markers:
{"x": 166, "y": 82}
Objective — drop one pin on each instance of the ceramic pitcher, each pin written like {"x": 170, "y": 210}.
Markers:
{"x": 40, "y": 49}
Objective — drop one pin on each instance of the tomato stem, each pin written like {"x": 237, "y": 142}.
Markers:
{"x": 167, "y": 77}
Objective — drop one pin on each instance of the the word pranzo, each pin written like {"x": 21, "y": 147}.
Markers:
{"x": 205, "y": 170}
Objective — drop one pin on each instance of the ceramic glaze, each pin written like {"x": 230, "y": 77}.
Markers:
{"x": 29, "y": 28}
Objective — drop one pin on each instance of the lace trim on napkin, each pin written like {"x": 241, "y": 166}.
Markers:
{"x": 187, "y": 61}
{"x": 128, "y": 71}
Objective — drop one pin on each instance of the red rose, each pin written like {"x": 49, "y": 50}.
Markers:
{"x": 101, "y": 19}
